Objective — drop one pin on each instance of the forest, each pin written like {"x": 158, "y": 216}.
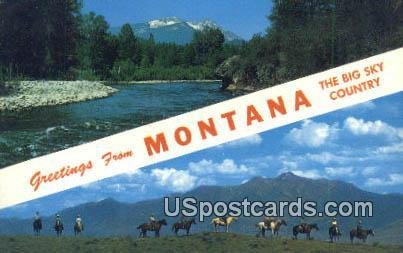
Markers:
{"x": 53, "y": 39}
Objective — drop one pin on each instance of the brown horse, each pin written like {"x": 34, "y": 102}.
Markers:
{"x": 58, "y": 228}
{"x": 37, "y": 225}
{"x": 156, "y": 227}
{"x": 361, "y": 234}
{"x": 78, "y": 228}
{"x": 218, "y": 222}
{"x": 334, "y": 233}
{"x": 304, "y": 229}
{"x": 186, "y": 224}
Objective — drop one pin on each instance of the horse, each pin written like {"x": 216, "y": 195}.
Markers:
{"x": 78, "y": 228}
{"x": 59, "y": 228}
{"x": 275, "y": 226}
{"x": 262, "y": 228}
{"x": 361, "y": 234}
{"x": 186, "y": 224}
{"x": 304, "y": 229}
{"x": 37, "y": 225}
{"x": 150, "y": 227}
{"x": 218, "y": 222}
{"x": 334, "y": 234}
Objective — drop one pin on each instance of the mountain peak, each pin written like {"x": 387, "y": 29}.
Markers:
{"x": 164, "y": 22}
{"x": 199, "y": 26}
{"x": 176, "y": 30}
{"x": 287, "y": 176}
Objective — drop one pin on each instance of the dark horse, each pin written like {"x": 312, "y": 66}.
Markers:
{"x": 149, "y": 227}
{"x": 37, "y": 226}
{"x": 186, "y": 224}
{"x": 334, "y": 234}
{"x": 78, "y": 228}
{"x": 59, "y": 228}
{"x": 361, "y": 234}
{"x": 304, "y": 229}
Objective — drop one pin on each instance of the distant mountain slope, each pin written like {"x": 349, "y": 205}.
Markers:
{"x": 174, "y": 30}
{"x": 391, "y": 233}
{"x": 109, "y": 217}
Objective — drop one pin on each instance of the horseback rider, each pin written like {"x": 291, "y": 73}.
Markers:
{"x": 182, "y": 219}
{"x": 58, "y": 224}
{"x": 359, "y": 226}
{"x": 78, "y": 220}
{"x": 152, "y": 221}
{"x": 268, "y": 220}
{"x": 58, "y": 220}
{"x": 37, "y": 217}
{"x": 334, "y": 225}
{"x": 224, "y": 219}
{"x": 302, "y": 223}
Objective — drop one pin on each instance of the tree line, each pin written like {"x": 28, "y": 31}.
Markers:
{"x": 305, "y": 37}
{"x": 52, "y": 39}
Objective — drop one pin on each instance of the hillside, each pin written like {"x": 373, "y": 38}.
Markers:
{"x": 205, "y": 242}
{"x": 175, "y": 30}
{"x": 109, "y": 217}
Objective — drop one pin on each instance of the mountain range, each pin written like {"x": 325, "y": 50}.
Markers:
{"x": 110, "y": 217}
{"x": 175, "y": 30}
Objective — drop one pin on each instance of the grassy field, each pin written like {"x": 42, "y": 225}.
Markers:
{"x": 205, "y": 242}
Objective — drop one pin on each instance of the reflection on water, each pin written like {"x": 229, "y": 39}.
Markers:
{"x": 25, "y": 135}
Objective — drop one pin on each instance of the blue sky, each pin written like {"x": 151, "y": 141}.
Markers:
{"x": 243, "y": 17}
{"x": 362, "y": 144}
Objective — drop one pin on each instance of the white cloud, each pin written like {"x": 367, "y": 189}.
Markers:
{"x": 176, "y": 180}
{"x": 313, "y": 134}
{"x": 254, "y": 139}
{"x": 325, "y": 157}
{"x": 368, "y": 171}
{"x": 395, "y": 148}
{"x": 340, "y": 171}
{"x": 376, "y": 128}
{"x": 290, "y": 164}
{"x": 228, "y": 166}
{"x": 392, "y": 179}
{"x": 124, "y": 186}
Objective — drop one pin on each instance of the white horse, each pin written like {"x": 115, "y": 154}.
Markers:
{"x": 262, "y": 228}
{"x": 272, "y": 224}
{"x": 218, "y": 222}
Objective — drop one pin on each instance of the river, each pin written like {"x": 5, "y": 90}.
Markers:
{"x": 28, "y": 134}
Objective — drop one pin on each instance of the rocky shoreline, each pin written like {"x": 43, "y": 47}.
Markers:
{"x": 164, "y": 81}
{"x": 30, "y": 94}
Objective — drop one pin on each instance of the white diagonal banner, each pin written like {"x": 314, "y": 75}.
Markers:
{"x": 236, "y": 118}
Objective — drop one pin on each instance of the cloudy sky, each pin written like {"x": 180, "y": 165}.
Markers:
{"x": 362, "y": 144}
{"x": 226, "y": 13}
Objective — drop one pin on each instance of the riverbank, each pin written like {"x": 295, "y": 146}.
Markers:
{"x": 162, "y": 81}
{"x": 30, "y": 94}
{"x": 246, "y": 89}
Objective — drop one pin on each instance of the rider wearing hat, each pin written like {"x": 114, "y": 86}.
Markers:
{"x": 152, "y": 220}
{"x": 359, "y": 226}
{"x": 58, "y": 220}
{"x": 37, "y": 216}
{"x": 78, "y": 219}
{"x": 334, "y": 224}
{"x": 302, "y": 223}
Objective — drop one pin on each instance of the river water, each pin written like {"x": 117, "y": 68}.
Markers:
{"x": 29, "y": 134}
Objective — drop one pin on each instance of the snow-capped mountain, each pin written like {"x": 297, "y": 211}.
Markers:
{"x": 175, "y": 30}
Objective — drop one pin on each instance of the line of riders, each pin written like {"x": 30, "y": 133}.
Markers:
{"x": 268, "y": 224}
{"x": 273, "y": 224}
{"x": 58, "y": 225}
